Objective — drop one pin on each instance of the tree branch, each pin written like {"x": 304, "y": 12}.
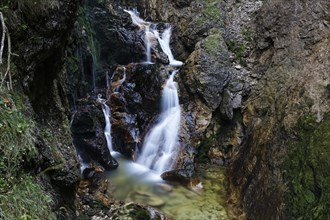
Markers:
{"x": 3, "y": 36}
{"x": 4, "y": 33}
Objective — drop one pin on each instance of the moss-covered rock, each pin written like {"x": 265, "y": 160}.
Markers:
{"x": 307, "y": 170}
{"x": 206, "y": 71}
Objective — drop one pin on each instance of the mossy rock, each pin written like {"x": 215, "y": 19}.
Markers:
{"x": 307, "y": 171}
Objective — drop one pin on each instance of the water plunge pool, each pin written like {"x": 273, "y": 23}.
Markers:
{"x": 132, "y": 182}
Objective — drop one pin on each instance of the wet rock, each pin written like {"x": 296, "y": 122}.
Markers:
{"x": 155, "y": 201}
{"x": 134, "y": 105}
{"x": 180, "y": 175}
{"x": 182, "y": 3}
{"x": 216, "y": 156}
{"x": 88, "y": 133}
{"x": 163, "y": 188}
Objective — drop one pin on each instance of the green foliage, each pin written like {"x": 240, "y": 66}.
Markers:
{"x": 238, "y": 48}
{"x": 307, "y": 171}
{"x": 204, "y": 148}
{"x": 25, "y": 201}
{"x": 20, "y": 196}
{"x": 16, "y": 135}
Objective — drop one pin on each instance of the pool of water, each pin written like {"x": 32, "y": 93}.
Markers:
{"x": 132, "y": 182}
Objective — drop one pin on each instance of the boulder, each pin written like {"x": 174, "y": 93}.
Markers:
{"x": 182, "y": 176}
{"x": 207, "y": 70}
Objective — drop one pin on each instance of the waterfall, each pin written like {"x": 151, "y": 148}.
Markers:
{"x": 159, "y": 147}
{"x": 164, "y": 42}
{"x": 107, "y": 129}
{"x": 148, "y": 36}
{"x": 151, "y": 35}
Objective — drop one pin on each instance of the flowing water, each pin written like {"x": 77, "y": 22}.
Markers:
{"x": 164, "y": 42}
{"x": 132, "y": 182}
{"x": 143, "y": 25}
{"x": 141, "y": 182}
{"x": 150, "y": 35}
{"x": 160, "y": 146}
{"x": 107, "y": 129}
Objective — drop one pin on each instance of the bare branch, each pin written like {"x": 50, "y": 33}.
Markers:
{"x": 10, "y": 85}
{"x": 3, "y": 36}
{"x": 8, "y": 61}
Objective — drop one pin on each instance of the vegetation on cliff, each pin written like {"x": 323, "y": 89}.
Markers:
{"x": 21, "y": 196}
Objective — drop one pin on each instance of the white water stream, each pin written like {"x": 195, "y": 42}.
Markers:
{"x": 151, "y": 35}
{"x": 160, "y": 145}
{"x": 107, "y": 129}
{"x": 141, "y": 182}
{"x": 164, "y": 42}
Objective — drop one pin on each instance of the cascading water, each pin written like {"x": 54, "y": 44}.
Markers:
{"x": 151, "y": 35}
{"x": 159, "y": 147}
{"x": 143, "y": 25}
{"x": 107, "y": 129}
{"x": 164, "y": 42}
{"x": 148, "y": 37}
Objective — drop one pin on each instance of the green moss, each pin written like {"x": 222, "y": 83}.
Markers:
{"x": 212, "y": 43}
{"x": 238, "y": 48}
{"x": 210, "y": 12}
{"x": 247, "y": 35}
{"x": 307, "y": 171}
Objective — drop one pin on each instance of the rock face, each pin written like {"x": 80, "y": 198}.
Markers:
{"x": 88, "y": 135}
{"x": 273, "y": 169}
{"x": 207, "y": 69}
{"x": 40, "y": 74}
{"x": 135, "y": 105}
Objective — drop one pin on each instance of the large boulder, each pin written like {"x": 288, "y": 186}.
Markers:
{"x": 207, "y": 70}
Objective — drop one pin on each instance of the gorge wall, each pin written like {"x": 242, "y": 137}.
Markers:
{"x": 280, "y": 167}
{"x": 254, "y": 89}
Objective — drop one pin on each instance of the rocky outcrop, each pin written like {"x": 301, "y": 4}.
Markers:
{"x": 271, "y": 171}
{"x": 87, "y": 128}
{"x": 207, "y": 70}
